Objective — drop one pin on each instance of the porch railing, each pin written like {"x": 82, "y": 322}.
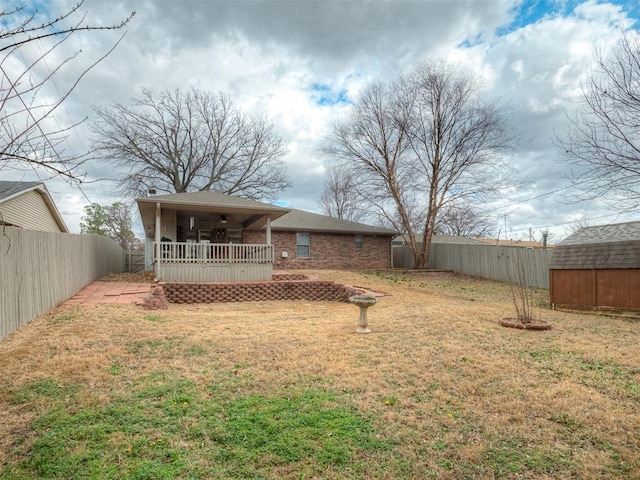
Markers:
{"x": 213, "y": 253}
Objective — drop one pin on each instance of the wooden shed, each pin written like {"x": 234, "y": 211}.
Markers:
{"x": 597, "y": 268}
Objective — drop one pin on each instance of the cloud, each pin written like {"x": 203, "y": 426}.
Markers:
{"x": 302, "y": 63}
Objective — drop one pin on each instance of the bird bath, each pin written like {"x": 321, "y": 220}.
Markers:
{"x": 364, "y": 302}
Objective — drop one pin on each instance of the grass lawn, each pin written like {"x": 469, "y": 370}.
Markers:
{"x": 289, "y": 390}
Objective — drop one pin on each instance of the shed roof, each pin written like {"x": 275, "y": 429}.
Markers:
{"x": 612, "y": 246}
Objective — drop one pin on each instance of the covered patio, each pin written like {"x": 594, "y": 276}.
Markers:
{"x": 198, "y": 237}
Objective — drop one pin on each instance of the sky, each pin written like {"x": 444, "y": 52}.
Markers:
{"x": 303, "y": 63}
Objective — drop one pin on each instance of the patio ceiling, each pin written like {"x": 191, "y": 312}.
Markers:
{"x": 248, "y": 213}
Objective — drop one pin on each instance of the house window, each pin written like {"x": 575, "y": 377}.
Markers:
{"x": 359, "y": 242}
{"x": 303, "y": 245}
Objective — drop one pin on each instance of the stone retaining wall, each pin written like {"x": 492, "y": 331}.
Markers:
{"x": 282, "y": 277}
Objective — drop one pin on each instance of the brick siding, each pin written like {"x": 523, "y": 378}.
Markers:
{"x": 328, "y": 250}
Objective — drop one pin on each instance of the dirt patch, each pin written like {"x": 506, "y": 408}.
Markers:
{"x": 139, "y": 277}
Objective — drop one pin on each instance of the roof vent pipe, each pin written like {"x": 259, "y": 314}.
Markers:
{"x": 152, "y": 191}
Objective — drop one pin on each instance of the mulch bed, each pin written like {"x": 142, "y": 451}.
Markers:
{"x": 515, "y": 323}
{"x": 140, "y": 277}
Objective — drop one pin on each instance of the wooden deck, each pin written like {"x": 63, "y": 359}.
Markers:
{"x": 213, "y": 262}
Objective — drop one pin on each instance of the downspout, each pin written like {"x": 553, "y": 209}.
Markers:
{"x": 392, "y": 266}
{"x": 158, "y": 246}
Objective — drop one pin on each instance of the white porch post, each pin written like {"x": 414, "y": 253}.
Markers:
{"x": 157, "y": 240}
{"x": 268, "y": 242}
{"x": 268, "y": 229}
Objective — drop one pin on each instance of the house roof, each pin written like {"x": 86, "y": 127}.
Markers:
{"x": 612, "y": 246}
{"x": 248, "y": 212}
{"x": 313, "y": 222}
{"x": 453, "y": 239}
{"x": 251, "y": 214}
{"x": 10, "y": 190}
{"x": 207, "y": 198}
{"x": 514, "y": 243}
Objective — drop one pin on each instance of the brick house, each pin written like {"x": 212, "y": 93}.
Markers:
{"x": 211, "y": 237}
{"x": 309, "y": 240}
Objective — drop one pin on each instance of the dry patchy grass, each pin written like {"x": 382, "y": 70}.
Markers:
{"x": 447, "y": 392}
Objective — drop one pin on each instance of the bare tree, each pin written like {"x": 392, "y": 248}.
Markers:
{"x": 28, "y": 138}
{"x": 420, "y": 143}
{"x": 461, "y": 220}
{"x": 339, "y": 197}
{"x": 519, "y": 272}
{"x": 180, "y": 142}
{"x": 603, "y": 141}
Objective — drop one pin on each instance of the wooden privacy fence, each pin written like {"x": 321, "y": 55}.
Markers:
{"x": 39, "y": 270}
{"x": 504, "y": 264}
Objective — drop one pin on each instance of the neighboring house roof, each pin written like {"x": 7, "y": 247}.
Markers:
{"x": 616, "y": 232}
{"x": 29, "y": 205}
{"x": 9, "y": 190}
{"x": 299, "y": 220}
{"x": 456, "y": 240}
{"x": 513, "y": 243}
{"x": 442, "y": 239}
{"x": 610, "y": 246}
